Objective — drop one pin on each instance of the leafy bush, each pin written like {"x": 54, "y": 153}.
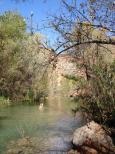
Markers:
{"x": 97, "y": 96}
{"x": 22, "y": 60}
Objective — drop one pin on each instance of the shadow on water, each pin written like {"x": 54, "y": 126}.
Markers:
{"x": 4, "y": 117}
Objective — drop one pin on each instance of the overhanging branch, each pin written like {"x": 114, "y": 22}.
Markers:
{"x": 110, "y": 41}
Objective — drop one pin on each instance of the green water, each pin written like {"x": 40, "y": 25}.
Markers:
{"x": 54, "y": 120}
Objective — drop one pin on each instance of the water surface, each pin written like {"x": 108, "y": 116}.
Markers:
{"x": 52, "y": 124}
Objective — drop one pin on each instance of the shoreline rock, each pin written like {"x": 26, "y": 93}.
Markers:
{"x": 93, "y": 139}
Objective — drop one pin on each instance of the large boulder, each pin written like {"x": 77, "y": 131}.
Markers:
{"x": 94, "y": 136}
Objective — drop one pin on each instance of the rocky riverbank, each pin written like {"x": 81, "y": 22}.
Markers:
{"x": 88, "y": 139}
{"x": 92, "y": 139}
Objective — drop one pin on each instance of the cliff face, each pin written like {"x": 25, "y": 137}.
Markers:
{"x": 68, "y": 66}
{"x": 65, "y": 65}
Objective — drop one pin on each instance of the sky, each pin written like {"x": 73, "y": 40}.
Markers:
{"x": 41, "y": 10}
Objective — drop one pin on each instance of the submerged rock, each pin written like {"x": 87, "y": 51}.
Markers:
{"x": 92, "y": 136}
{"x": 22, "y": 146}
{"x": 36, "y": 145}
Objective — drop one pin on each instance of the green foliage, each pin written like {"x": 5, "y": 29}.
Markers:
{"x": 21, "y": 60}
{"x": 71, "y": 77}
{"x": 98, "y": 98}
{"x": 12, "y": 26}
{"x": 4, "y": 101}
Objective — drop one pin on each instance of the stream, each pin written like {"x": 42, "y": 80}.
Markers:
{"x": 53, "y": 123}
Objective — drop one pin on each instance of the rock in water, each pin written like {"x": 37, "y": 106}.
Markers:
{"x": 93, "y": 136}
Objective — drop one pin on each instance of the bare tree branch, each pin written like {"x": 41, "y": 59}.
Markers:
{"x": 110, "y": 41}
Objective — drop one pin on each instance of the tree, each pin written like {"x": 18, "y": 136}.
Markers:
{"x": 94, "y": 14}
{"x": 87, "y": 31}
{"x": 24, "y": 60}
{"x": 12, "y": 25}
{"x": 12, "y": 29}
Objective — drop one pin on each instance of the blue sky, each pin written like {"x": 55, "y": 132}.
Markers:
{"x": 40, "y": 9}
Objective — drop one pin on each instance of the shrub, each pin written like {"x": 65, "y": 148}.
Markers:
{"x": 97, "y": 96}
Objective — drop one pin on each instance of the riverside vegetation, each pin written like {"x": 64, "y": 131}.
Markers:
{"x": 88, "y": 32}
{"x": 21, "y": 65}
{"x": 25, "y": 59}
{"x": 21, "y": 58}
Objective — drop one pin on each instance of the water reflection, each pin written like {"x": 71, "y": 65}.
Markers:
{"x": 49, "y": 124}
{"x": 41, "y": 105}
{"x": 52, "y": 124}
